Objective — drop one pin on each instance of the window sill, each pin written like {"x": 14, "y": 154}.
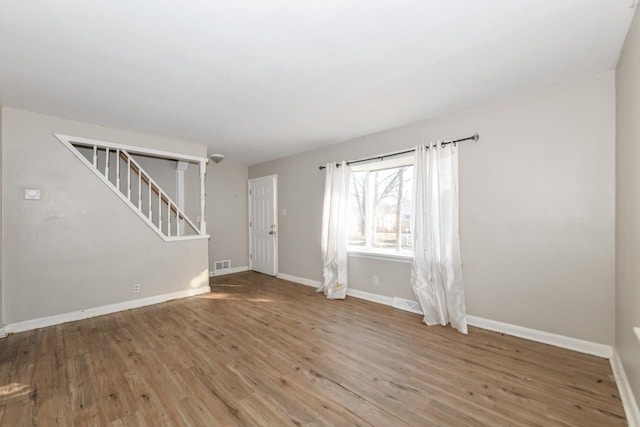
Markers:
{"x": 380, "y": 256}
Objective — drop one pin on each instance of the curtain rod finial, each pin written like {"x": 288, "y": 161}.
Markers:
{"x": 476, "y": 137}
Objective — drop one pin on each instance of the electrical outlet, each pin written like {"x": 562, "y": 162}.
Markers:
{"x": 375, "y": 280}
{"x": 136, "y": 287}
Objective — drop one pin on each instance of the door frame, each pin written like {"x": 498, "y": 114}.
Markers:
{"x": 275, "y": 219}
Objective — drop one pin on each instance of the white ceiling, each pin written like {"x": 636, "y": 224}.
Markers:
{"x": 257, "y": 80}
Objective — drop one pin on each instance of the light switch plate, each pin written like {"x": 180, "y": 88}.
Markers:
{"x": 32, "y": 194}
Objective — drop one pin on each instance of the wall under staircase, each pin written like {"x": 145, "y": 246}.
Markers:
{"x": 80, "y": 246}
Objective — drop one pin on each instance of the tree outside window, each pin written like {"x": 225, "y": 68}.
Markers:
{"x": 379, "y": 212}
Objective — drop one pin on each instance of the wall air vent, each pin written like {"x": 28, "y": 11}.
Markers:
{"x": 222, "y": 265}
{"x": 406, "y": 305}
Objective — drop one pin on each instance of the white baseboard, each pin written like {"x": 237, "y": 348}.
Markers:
{"x": 588, "y": 347}
{"x": 380, "y": 299}
{"x": 296, "y": 279}
{"x": 626, "y": 394}
{"x": 43, "y": 322}
{"x": 3, "y": 333}
{"x": 575, "y": 344}
{"x": 228, "y": 271}
{"x": 350, "y": 292}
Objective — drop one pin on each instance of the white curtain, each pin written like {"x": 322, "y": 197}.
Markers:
{"x": 334, "y": 231}
{"x": 436, "y": 271}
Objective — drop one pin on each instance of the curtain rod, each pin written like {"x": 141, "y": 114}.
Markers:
{"x": 475, "y": 137}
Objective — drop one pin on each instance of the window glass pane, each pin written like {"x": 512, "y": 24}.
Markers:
{"x": 380, "y": 209}
{"x": 385, "y": 208}
{"x": 392, "y": 208}
{"x": 356, "y": 214}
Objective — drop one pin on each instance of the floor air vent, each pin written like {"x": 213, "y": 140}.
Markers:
{"x": 222, "y": 265}
{"x": 406, "y": 305}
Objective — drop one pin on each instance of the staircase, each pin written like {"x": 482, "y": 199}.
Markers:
{"x": 115, "y": 167}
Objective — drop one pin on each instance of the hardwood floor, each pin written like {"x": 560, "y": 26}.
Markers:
{"x": 260, "y": 351}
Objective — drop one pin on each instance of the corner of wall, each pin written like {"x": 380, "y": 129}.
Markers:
{"x": 1, "y": 227}
{"x": 627, "y": 293}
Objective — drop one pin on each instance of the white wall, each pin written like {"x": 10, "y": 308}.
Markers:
{"x": 80, "y": 246}
{"x": 226, "y": 204}
{"x": 1, "y": 231}
{"x": 628, "y": 205}
{"x": 536, "y": 200}
{"x": 227, "y": 212}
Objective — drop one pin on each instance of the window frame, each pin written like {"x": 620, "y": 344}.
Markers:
{"x": 379, "y": 253}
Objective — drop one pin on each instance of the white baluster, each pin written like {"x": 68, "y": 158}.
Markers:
{"x": 129, "y": 178}
{"x": 95, "y": 156}
{"x": 159, "y": 209}
{"x": 150, "y": 211}
{"x": 168, "y": 218}
{"x": 106, "y": 163}
{"x": 139, "y": 190}
{"x": 118, "y": 169}
{"x": 203, "y": 196}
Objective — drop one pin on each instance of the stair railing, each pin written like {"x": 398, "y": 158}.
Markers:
{"x": 158, "y": 214}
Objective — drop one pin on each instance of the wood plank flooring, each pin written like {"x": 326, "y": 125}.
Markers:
{"x": 260, "y": 351}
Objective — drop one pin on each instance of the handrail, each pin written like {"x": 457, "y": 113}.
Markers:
{"x": 132, "y": 149}
{"x": 151, "y": 183}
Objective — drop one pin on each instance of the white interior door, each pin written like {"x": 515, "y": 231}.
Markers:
{"x": 263, "y": 227}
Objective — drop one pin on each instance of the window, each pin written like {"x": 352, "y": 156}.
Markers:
{"x": 379, "y": 212}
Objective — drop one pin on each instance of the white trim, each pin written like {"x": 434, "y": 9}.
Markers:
{"x": 276, "y": 222}
{"x": 129, "y": 203}
{"x": 582, "y": 346}
{"x": 380, "y": 299}
{"x": 637, "y": 331}
{"x": 575, "y": 344}
{"x": 226, "y": 271}
{"x": 300, "y": 280}
{"x": 626, "y": 393}
{"x": 130, "y": 148}
{"x": 368, "y": 296}
{"x": 183, "y": 238}
{"x": 3, "y": 333}
{"x": 407, "y": 259}
{"x": 57, "y": 319}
